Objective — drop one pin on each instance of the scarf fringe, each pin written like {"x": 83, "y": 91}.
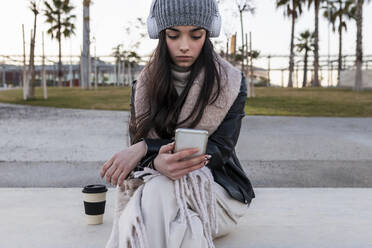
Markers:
{"x": 197, "y": 186}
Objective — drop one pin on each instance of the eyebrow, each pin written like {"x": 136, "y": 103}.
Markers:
{"x": 192, "y": 30}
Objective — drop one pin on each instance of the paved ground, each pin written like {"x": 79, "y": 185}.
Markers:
{"x": 280, "y": 218}
{"x": 41, "y": 134}
{"x": 275, "y": 151}
{"x": 293, "y": 164}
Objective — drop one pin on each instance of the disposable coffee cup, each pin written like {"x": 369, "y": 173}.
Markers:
{"x": 94, "y": 203}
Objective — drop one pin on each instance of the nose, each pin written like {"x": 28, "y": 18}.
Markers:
{"x": 184, "y": 46}
{"x": 184, "y": 50}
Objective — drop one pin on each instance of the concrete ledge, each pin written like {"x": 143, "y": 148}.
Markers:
{"x": 278, "y": 217}
{"x": 278, "y": 173}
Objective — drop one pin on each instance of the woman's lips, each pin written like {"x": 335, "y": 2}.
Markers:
{"x": 183, "y": 58}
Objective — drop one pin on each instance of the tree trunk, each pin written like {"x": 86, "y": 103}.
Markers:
{"x": 316, "y": 44}
{"x": 31, "y": 86}
{"x": 359, "y": 49}
{"x": 130, "y": 71}
{"x": 119, "y": 73}
{"x": 339, "y": 67}
{"x": 242, "y": 29}
{"x": 305, "y": 70}
{"x": 25, "y": 79}
{"x": 59, "y": 63}
{"x": 291, "y": 63}
{"x": 86, "y": 45}
{"x": 124, "y": 73}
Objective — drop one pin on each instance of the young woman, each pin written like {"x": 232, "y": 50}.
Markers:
{"x": 185, "y": 84}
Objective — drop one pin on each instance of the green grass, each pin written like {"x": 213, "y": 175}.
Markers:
{"x": 268, "y": 101}
{"x": 310, "y": 102}
{"x": 104, "y": 98}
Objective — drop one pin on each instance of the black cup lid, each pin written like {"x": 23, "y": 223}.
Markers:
{"x": 95, "y": 188}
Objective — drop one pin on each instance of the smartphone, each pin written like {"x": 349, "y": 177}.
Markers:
{"x": 191, "y": 138}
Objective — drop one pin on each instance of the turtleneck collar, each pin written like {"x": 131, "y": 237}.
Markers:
{"x": 179, "y": 68}
{"x": 180, "y": 76}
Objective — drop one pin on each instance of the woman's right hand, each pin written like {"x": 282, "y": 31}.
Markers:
{"x": 169, "y": 164}
{"x": 122, "y": 163}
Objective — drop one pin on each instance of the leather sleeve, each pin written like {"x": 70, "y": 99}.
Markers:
{"x": 221, "y": 143}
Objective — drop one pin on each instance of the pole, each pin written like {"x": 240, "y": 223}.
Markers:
{"x": 124, "y": 73}
{"x": 246, "y": 53}
{"x": 24, "y": 56}
{"x": 95, "y": 66}
{"x": 329, "y": 39}
{"x": 331, "y": 73}
{"x": 268, "y": 71}
{"x": 70, "y": 72}
{"x": 43, "y": 72}
{"x": 251, "y": 53}
{"x": 227, "y": 48}
{"x": 282, "y": 78}
{"x": 3, "y": 76}
{"x": 296, "y": 75}
{"x": 119, "y": 72}
{"x": 25, "y": 78}
{"x": 81, "y": 81}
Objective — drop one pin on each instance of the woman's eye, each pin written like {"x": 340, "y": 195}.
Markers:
{"x": 175, "y": 37}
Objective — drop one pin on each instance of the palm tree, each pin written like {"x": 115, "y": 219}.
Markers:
{"x": 31, "y": 71}
{"x": 336, "y": 14}
{"x": 305, "y": 42}
{"x": 59, "y": 16}
{"x": 357, "y": 13}
{"x": 292, "y": 9}
{"x": 85, "y": 60}
{"x": 317, "y": 3}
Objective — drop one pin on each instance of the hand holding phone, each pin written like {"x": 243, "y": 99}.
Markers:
{"x": 191, "y": 138}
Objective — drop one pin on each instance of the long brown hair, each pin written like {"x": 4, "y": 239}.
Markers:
{"x": 164, "y": 103}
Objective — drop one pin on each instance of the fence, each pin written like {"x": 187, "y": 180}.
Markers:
{"x": 107, "y": 70}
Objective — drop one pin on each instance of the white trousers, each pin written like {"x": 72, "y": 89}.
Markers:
{"x": 160, "y": 213}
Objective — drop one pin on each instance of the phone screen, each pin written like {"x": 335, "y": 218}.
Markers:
{"x": 191, "y": 138}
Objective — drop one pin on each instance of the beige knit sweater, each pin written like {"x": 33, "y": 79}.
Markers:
{"x": 179, "y": 77}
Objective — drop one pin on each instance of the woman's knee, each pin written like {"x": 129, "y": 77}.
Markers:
{"x": 158, "y": 190}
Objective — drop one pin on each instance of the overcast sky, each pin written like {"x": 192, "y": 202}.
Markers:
{"x": 270, "y": 30}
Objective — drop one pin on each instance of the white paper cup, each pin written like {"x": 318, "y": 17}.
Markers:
{"x": 94, "y": 203}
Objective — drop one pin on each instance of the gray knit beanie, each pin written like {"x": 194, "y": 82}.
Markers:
{"x": 168, "y": 13}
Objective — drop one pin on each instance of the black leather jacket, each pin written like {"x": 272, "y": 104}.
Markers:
{"x": 224, "y": 164}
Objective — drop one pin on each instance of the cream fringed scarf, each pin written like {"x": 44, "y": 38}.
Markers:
{"x": 128, "y": 228}
{"x": 196, "y": 187}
